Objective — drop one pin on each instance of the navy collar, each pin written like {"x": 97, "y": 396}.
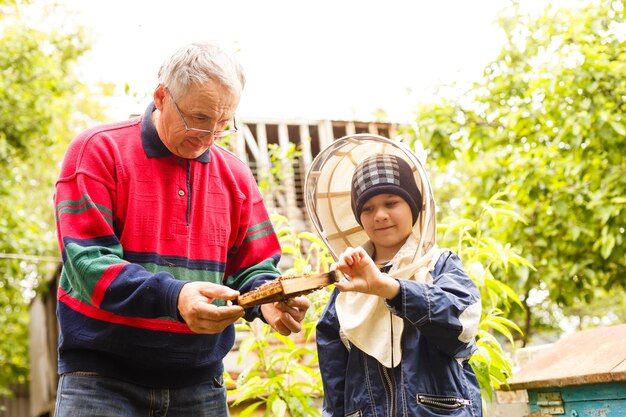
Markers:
{"x": 385, "y": 267}
{"x": 153, "y": 145}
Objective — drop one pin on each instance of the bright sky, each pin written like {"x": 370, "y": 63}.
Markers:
{"x": 340, "y": 59}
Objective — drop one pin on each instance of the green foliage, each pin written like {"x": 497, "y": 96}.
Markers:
{"x": 546, "y": 127}
{"x": 39, "y": 96}
{"x": 488, "y": 260}
{"x": 281, "y": 167}
{"x": 284, "y": 376}
{"x": 306, "y": 252}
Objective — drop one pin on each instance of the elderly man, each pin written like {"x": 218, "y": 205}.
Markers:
{"x": 158, "y": 228}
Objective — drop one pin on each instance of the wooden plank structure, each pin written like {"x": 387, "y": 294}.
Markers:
{"x": 583, "y": 374}
{"x": 257, "y": 136}
{"x": 16, "y": 405}
{"x": 43, "y": 343}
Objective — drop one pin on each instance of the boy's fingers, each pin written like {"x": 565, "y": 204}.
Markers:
{"x": 345, "y": 285}
{"x": 341, "y": 285}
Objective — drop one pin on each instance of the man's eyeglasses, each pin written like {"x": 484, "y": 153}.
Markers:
{"x": 202, "y": 133}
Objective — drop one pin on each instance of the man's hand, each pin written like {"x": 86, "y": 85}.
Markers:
{"x": 194, "y": 306}
{"x": 286, "y": 316}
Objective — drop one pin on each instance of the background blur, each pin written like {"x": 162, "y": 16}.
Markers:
{"x": 325, "y": 59}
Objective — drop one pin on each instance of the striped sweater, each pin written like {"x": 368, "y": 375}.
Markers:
{"x": 134, "y": 223}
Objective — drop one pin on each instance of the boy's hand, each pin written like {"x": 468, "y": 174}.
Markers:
{"x": 365, "y": 277}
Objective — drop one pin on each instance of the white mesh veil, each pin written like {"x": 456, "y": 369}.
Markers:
{"x": 327, "y": 191}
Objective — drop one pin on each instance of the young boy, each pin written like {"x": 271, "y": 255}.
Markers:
{"x": 396, "y": 335}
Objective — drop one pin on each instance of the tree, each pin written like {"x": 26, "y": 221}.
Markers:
{"x": 39, "y": 100}
{"x": 546, "y": 127}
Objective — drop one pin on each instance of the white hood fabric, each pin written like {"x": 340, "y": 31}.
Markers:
{"x": 365, "y": 319}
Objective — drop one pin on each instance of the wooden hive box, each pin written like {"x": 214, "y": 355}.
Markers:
{"x": 583, "y": 374}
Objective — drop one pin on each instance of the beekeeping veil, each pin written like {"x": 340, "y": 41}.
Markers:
{"x": 365, "y": 319}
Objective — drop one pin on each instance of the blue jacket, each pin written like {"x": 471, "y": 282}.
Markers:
{"x": 434, "y": 377}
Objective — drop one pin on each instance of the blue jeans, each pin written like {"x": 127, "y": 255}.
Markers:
{"x": 91, "y": 395}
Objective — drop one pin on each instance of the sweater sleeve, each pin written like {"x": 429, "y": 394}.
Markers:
{"x": 447, "y": 311}
{"x": 253, "y": 260}
{"x": 94, "y": 272}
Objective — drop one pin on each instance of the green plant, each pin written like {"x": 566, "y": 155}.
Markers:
{"x": 284, "y": 374}
{"x": 307, "y": 252}
{"x": 42, "y": 106}
{"x": 486, "y": 258}
{"x": 546, "y": 124}
{"x": 281, "y": 166}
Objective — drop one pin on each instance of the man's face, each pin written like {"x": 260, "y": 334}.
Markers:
{"x": 209, "y": 106}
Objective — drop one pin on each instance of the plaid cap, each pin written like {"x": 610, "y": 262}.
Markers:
{"x": 384, "y": 174}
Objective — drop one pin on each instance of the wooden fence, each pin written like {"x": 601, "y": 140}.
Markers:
{"x": 257, "y": 136}
{"x": 18, "y": 405}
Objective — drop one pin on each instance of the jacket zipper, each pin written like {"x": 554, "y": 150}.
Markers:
{"x": 388, "y": 377}
{"x": 392, "y": 397}
{"x": 443, "y": 402}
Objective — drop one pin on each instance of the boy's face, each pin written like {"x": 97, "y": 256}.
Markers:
{"x": 388, "y": 221}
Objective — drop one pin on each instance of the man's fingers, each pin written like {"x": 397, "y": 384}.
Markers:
{"x": 301, "y": 303}
{"x": 208, "y": 311}
{"x": 281, "y": 328}
{"x": 221, "y": 292}
{"x": 208, "y": 318}
{"x": 286, "y": 317}
{"x": 285, "y": 324}
{"x": 294, "y": 307}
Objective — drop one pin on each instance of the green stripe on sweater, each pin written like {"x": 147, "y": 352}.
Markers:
{"x": 79, "y": 206}
{"x": 259, "y": 230}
